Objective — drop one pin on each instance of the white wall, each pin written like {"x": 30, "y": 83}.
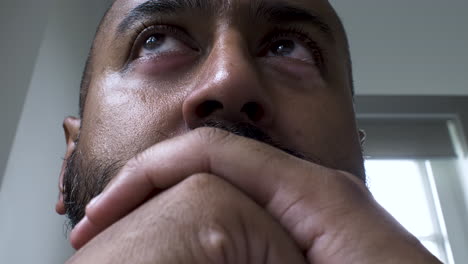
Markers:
{"x": 22, "y": 25}
{"x": 402, "y": 47}
{"x": 31, "y": 232}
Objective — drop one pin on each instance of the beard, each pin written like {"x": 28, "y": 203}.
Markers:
{"x": 83, "y": 179}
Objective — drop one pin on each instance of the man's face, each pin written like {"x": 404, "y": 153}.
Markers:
{"x": 162, "y": 68}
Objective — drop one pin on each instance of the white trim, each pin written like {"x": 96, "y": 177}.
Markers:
{"x": 429, "y": 181}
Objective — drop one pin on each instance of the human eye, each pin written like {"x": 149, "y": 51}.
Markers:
{"x": 292, "y": 43}
{"x": 163, "y": 40}
{"x": 159, "y": 43}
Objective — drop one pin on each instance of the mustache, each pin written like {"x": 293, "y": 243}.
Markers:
{"x": 248, "y": 130}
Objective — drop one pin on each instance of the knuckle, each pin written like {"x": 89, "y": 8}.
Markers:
{"x": 200, "y": 181}
{"x": 215, "y": 242}
{"x": 202, "y": 187}
{"x": 218, "y": 196}
{"x": 137, "y": 161}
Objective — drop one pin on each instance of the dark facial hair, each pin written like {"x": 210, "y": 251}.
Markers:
{"x": 84, "y": 180}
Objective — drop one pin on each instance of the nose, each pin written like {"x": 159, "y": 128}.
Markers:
{"x": 228, "y": 87}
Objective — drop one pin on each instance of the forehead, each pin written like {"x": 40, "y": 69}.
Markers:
{"x": 239, "y": 8}
{"x": 220, "y": 4}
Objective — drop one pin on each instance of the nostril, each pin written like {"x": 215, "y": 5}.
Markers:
{"x": 207, "y": 108}
{"x": 253, "y": 110}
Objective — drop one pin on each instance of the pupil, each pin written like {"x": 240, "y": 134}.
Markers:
{"x": 283, "y": 47}
{"x": 154, "y": 42}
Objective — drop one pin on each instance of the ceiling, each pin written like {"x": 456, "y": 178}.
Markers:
{"x": 401, "y": 47}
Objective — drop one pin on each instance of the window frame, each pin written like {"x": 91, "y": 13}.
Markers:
{"x": 448, "y": 187}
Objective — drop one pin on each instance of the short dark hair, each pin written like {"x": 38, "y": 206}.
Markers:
{"x": 88, "y": 70}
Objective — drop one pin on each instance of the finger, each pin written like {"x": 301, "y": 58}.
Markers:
{"x": 271, "y": 177}
{"x": 158, "y": 167}
{"x": 87, "y": 231}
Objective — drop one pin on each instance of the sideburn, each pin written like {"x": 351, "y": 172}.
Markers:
{"x": 82, "y": 182}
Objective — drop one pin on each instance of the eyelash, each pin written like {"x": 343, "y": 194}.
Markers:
{"x": 300, "y": 34}
{"x": 145, "y": 32}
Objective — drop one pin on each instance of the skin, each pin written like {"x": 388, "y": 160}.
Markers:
{"x": 147, "y": 113}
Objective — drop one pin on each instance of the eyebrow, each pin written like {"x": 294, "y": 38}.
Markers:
{"x": 162, "y": 8}
{"x": 276, "y": 12}
{"x": 283, "y": 13}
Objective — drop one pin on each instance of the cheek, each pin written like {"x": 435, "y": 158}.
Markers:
{"x": 323, "y": 126}
{"x": 126, "y": 118}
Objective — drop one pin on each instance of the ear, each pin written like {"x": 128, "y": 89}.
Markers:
{"x": 362, "y": 136}
{"x": 71, "y": 127}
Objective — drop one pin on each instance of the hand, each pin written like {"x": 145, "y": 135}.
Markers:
{"x": 330, "y": 214}
{"x": 201, "y": 220}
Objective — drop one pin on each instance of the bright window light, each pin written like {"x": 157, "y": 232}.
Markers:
{"x": 401, "y": 187}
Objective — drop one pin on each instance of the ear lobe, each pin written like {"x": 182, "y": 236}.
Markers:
{"x": 71, "y": 127}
